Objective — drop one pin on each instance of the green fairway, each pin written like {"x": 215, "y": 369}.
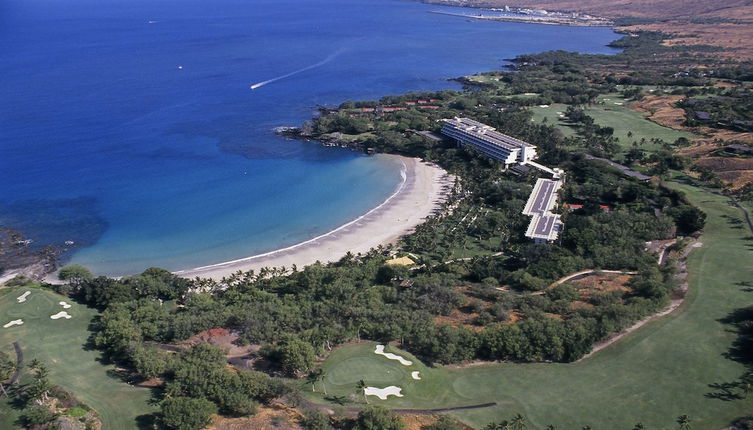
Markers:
{"x": 60, "y": 344}
{"x": 613, "y": 111}
{"x": 651, "y": 376}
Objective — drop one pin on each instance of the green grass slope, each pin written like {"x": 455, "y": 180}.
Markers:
{"x": 612, "y": 111}
{"x": 60, "y": 344}
{"x": 651, "y": 376}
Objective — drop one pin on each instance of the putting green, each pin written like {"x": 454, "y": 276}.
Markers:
{"x": 62, "y": 345}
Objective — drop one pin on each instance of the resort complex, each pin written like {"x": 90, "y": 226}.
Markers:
{"x": 545, "y": 225}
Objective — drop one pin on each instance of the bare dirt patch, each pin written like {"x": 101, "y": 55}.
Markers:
{"x": 602, "y": 283}
{"x": 224, "y": 339}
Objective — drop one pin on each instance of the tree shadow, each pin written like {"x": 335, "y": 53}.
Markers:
{"x": 148, "y": 422}
{"x": 340, "y": 400}
{"x": 739, "y": 321}
{"x": 725, "y": 391}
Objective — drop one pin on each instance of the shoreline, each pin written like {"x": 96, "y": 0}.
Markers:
{"x": 423, "y": 190}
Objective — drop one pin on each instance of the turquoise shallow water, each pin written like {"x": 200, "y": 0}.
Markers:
{"x": 128, "y": 126}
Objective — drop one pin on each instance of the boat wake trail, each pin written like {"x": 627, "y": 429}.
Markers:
{"x": 307, "y": 68}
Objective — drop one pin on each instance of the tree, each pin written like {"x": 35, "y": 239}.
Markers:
{"x": 683, "y": 422}
{"x": 296, "y": 356}
{"x": 518, "y": 422}
{"x": 378, "y": 418}
{"x": 317, "y": 376}
{"x": 75, "y": 275}
{"x": 7, "y": 368}
{"x": 149, "y": 362}
{"x": 184, "y": 413}
{"x": 37, "y": 415}
{"x": 361, "y": 386}
{"x": 314, "y": 419}
{"x": 39, "y": 389}
{"x": 443, "y": 423}
{"x": 689, "y": 219}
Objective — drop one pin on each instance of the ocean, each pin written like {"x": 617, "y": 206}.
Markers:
{"x": 129, "y": 126}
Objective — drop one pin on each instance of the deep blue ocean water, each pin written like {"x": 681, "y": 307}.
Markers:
{"x": 129, "y": 127}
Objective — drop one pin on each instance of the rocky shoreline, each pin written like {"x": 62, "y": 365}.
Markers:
{"x": 19, "y": 257}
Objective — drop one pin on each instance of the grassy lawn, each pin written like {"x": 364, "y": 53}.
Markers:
{"x": 651, "y": 376}
{"x": 60, "y": 344}
{"x": 613, "y": 111}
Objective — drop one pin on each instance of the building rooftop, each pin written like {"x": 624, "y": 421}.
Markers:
{"x": 544, "y": 227}
{"x": 489, "y": 133}
{"x": 543, "y": 198}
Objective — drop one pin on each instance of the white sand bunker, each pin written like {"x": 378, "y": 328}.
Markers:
{"x": 65, "y": 305}
{"x": 382, "y": 393}
{"x": 59, "y": 315}
{"x": 12, "y": 323}
{"x": 22, "y": 297}
{"x": 415, "y": 375}
{"x": 380, "y": 350}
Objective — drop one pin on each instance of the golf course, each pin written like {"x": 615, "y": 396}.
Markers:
{"x": 612, "y": 110}
{"x": 61, "y": 344}
{"x": 663, "y": 370}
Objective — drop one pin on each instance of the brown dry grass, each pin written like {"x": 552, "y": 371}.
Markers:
{"x": 734, "y": 39}
{"x": 728, "y": 21}
{"x": 735, "y": 172}
{"x": 662, "y": 110}
{"x": 276, "y": 417}
{"x": 417, "y": 422}
{"x": 598, "y": 283}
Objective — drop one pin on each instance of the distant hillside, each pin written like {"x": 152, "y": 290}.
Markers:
{"x": 722, "y": 23}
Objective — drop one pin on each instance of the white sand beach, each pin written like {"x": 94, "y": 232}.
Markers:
{"x": 423, "y": 190}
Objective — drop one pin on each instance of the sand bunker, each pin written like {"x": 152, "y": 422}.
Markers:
{"x": 380, "y": 350}
{"x": 22, "y": 297}
{"x": 14, "y": 322}
{"x": 65, "y": 305}
{"x": 59, "y": 315}
{"x": 382, "y": 393}
{"x": 415, "y": 375}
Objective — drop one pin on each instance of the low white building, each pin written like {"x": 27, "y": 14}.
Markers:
{"x": 545, "y": 226}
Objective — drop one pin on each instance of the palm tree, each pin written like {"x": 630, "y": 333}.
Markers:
{"x": 518, "y": 422}
{"x": 639, "y": 426}
{"x": 7, "y": 368}
{"x": 322, "y": 375}
{"x": 361, "y": 386}
{"x": 313, "y": 377}
{"x": 683, "y": 422}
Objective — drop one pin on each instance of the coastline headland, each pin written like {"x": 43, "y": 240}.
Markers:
{"x": 421, "y": 192}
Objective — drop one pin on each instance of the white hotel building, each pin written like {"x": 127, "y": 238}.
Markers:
{"x": 489, "y": 141}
